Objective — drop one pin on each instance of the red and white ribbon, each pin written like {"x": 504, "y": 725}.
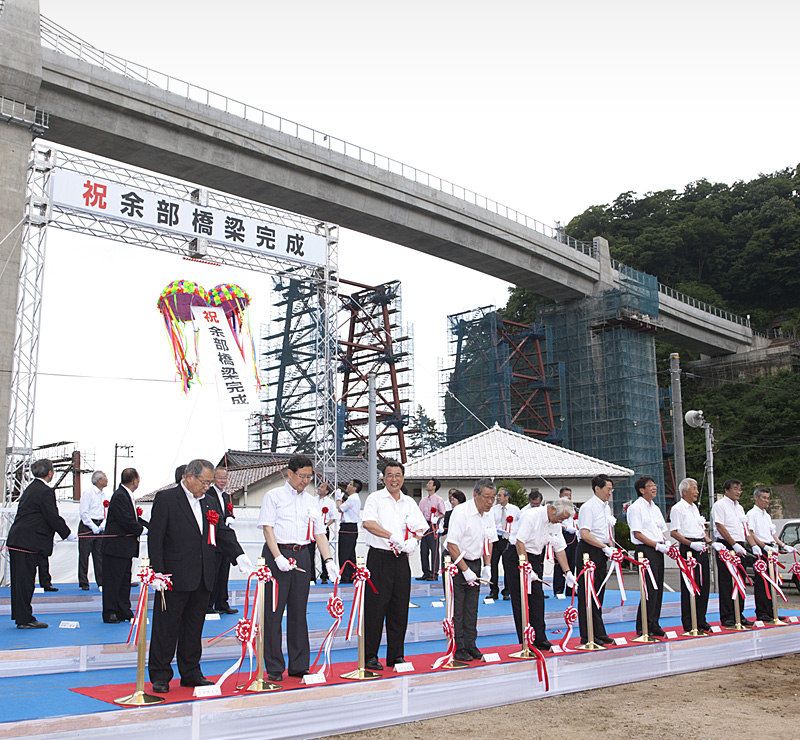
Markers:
{"x": 147, "y": 576}
{"x": 509, "y": 522}
{"x": 727, "y": 557}
{"x": 310, "y": 528}
{"x": 360, "y": 577}
{"x": 616, "y": 568}
{"x": 760, "y": 567}
{"x": 644, "y": 564}
{"x": 687, "y": 567}
{"x": 213, "y": 520}
{"x": 570, "y": 617}
{"x": 448, "y": 627}
{"x": 588, "y": 574}
{"x": 335, "y": 608}
{"x": 528, "y": 633}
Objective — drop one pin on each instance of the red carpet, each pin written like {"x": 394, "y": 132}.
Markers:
{"x": 422, "y": 664}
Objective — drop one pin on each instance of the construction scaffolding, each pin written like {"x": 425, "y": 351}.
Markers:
{"x": 499, "y": 371}
{"x": 611, "y": 389}
{"x": 372, "y": 339}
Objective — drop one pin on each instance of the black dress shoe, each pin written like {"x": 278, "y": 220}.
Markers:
{"x": 34, "y": 625}
{"x": 658, "y": 632}
{"x": 300, "y": 674}
{"x": 463, "y": 656}
{"x": 506, "y": 597}
{"x": 128, "y": 617}
{"x": 542, "y": 644}
{"x": 604, "y": 640}
{"x": 704, "y": 627}
{"x": 111, "y": 619}
{"x": 84, "y": 588}
{"x": 161, "y": 687}
{"x": 747, "y": 622}
{"x": 373, "y": 665}
{"x": 401, "y": 659}
{"x": 49, "y": 588}
{"x": 211, "y": 610}
{"x": 475, "y": 653}
{"x": 421, "y": 578}
{"x": 275, "y": 677}
{"x": 228, "y": 610}
{"x": 492, "y": 596}
{"x": 192, "y": 682}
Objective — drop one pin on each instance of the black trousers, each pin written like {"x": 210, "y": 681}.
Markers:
{"x": 312, "y": 548}
{"x": 43, "y": 563}
{"x": 498, "y": 548}
{"x": 391, "y": 576}
{"x": 727, "y": 613}
{"x": 293, "y": 587}
{"x": 117, "y": 587}
{"x": 218, "y": 598}
{"x": 348, "y": 537}
{"x": 429, "y": 555}
{"x": 654, "y": 595}
{"x": 179, "y": 626}
{"x": 763, "y": 592}
{"x": 535, "y": 597}
{"x": 702, "y": 577}
{"x": 465, "y": 607}
{"x": 600, "y": 560}
{"x": 571, "y": 553}
{"x": 89, "y": 545}
{"x": 23, "y": 576}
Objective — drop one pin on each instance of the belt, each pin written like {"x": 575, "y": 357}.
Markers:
{"x": 696, "y": 539}
{"x": 292, "y": 546}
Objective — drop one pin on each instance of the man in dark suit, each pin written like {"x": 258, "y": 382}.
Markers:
{"x": 120, "y": 547}
{"x": 31, "y": 537}
{"x": 182, "y": 543}
{"x": 218, "y": 599}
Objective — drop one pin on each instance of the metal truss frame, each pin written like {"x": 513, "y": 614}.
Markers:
{"x": 40, "y": 213}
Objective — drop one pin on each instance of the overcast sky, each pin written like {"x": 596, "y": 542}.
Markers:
{"x": 547, "y": 107}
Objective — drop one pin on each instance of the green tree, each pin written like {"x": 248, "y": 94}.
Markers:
{"x": 516, "y": 493}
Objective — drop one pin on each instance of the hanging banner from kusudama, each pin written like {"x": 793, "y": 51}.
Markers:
{"x": 217, "y": 349}
{"x": 114, "y": 200}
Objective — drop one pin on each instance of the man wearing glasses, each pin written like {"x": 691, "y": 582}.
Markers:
{"x": 394, "y": 526}
{"x": 291, "y": 519}
{"x": 184, "y": 535}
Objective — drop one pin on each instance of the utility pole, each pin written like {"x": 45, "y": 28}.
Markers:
{"x": 122, "y": 451}
{"x": 677, "y": 418}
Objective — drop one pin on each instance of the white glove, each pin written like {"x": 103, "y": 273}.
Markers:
{"x": 159, "y": 584}
{"x": 535, "y": 576}
{"x": 757, "y": 551}
{"x": 283, "y": 564}
{"x": 486, "y": 573}
{"x": 103, "y": 526}
{"x": 698, "y": 546}
{"x": 409, "y": 545}
{"x": 789, "y": 548}
{"x": 609, "y": 551}
{"x": 71, "y": 537}
{"x": 396, "y": 541}
{"x": 469, "y": 575}
{"x": 739, "y": 550}
{"x": 570, "y": 580}
{"x": 333, "y": 573}
{"x": 718, "y": 546}
{"x": 245, "y": 565}
{"x": 769, "y": 550}
{"x": 662, "y": 547}
{"x": 568, "y": 526}
{"x": 95, "y": 528}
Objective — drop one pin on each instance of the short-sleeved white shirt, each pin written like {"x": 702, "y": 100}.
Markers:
{"x": 289, "y": 513}
{"x": 469, "y": 529}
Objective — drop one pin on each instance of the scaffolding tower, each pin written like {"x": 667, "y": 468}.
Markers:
{"x": 611, "y": 387}
{"x": 500, "y": 371}
{"x": 372, "y": 339}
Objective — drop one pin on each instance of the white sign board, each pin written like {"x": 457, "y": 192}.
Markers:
{"x": 135, "y": 204}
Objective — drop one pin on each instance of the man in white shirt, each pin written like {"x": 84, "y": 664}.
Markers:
{"x": 291, "y": 519}
{"x": 731, "y": 530}
{"x": 538, "y": 527}
{"x": 764, "y": 534}
{"x": 470, "y": 533}
{"x": 92, "y": 513}
{"x": 648, "y": 530}
{"x": 689, "y": 529}
{"x": 505, "y": 516}
{"x": 327, "y": 510}
{"x": 595, "y": 523}
{"x": 349, "y": 506}
{"x": 394, "y": 526}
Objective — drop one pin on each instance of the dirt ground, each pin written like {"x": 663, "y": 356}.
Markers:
{"x": 753, "y": 700}
{"x": 757, "y": 699}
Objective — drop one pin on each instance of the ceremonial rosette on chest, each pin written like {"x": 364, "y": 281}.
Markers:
{"x": 213, "y": 520}
{"x": 509, "y": 522}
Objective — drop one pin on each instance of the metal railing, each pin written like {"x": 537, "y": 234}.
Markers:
{"x": 62, "y": 41}
{"x": 703, "y": 306}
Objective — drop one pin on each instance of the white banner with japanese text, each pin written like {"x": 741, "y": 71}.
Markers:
{"x": 135, "y": 204}
{"x": 217, "y": 349}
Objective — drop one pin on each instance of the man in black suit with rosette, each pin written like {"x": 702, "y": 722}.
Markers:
{"x": 185, "y": 533}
